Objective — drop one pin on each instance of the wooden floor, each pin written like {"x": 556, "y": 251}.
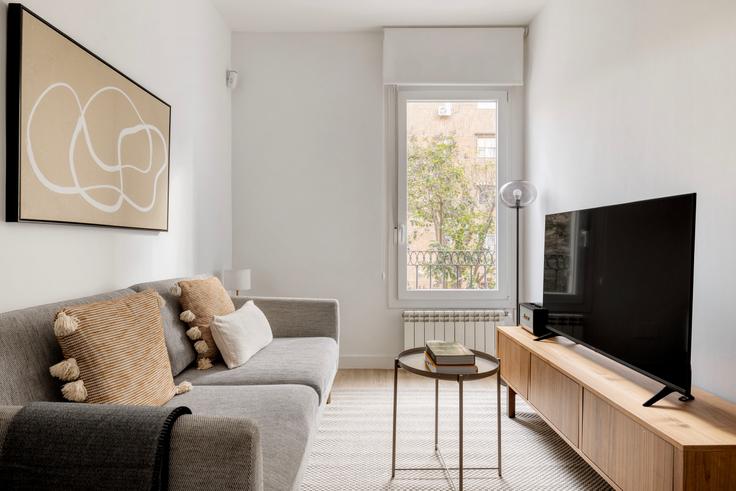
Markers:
{"x": 364, "y": 378}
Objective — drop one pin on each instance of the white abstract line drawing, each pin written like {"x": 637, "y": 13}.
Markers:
{"x": 81, "y": 128}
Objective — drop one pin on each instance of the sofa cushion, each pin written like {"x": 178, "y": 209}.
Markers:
{"x": 285, "y": 415}
{"x": 304, "y": 361}
{"x": 118, "y": 351}
{"x": 241, "y": 335}
{"x": 181, "y": 352}
{"x": 28, "y": 347}
{"x": 201, "y": 300}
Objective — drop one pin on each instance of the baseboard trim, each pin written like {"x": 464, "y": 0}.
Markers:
{"x": 367, "y": 361}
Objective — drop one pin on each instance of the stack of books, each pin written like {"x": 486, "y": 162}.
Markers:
{"x": 449, "y": 357}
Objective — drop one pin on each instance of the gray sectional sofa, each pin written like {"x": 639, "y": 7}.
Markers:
{"x": 251, "y": 427}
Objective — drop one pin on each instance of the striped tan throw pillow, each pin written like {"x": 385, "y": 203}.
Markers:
{"x": 115, "y": 352}
{"x": 201, "y": 300}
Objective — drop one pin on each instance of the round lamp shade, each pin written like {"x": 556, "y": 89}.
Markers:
{"x": 518, "y": 194}
{"x": 238, "y": 279}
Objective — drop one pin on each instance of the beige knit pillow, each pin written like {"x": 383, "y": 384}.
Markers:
{"x": 201, "y": 300}
{"x": 115, "y": 352}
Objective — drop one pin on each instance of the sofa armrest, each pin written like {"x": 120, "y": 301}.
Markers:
{"x": 298, "y": 317}
{"x": 206, "y": 452}
{"x": 6, "y": 414}
{"x": 220, "y": 453}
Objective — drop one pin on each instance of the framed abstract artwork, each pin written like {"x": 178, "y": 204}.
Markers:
{"x": 85, "y": 143}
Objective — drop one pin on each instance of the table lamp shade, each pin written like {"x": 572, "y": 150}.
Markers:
{"x": 237, "y": 279}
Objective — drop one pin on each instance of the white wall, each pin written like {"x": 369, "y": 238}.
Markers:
{"x": 309, "y": 202}
{"x": 179, "y": 50}
{"x": 635, "y": 99}
{"x": 312, "y": 192}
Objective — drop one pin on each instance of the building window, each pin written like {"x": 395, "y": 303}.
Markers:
{"x": 448, "y": 207}
{"x": 486, "y": 193}
{"x": 485, "y": 146}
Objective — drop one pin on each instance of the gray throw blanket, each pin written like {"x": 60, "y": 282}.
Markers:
{"x": 52, "y": 445}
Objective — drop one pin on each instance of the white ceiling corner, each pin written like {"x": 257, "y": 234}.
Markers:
{"x": 370, "y": 15}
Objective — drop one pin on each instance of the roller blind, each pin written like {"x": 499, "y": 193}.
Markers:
{"x": 453, "y": 55}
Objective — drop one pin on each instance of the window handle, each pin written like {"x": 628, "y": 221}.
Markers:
{"x": 402, "y": 233}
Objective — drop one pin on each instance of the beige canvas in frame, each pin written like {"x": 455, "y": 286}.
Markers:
{"x": 93, "y": 145}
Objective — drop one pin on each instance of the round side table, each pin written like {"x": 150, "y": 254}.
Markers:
{"x": 413, "y": 360}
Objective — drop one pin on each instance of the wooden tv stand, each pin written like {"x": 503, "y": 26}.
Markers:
{"x": 595, "y": 405}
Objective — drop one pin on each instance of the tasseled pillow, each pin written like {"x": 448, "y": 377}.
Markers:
{"x": 115, "y": 352}
{"x": 201, "y": 300}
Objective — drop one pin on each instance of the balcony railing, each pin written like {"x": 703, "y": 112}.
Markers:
{"x": 457, "y": 269}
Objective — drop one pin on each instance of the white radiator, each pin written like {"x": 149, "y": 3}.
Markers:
{"x": 475, "y": 329}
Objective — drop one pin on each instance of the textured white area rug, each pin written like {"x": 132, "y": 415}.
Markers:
{"x": 352, "y": 449}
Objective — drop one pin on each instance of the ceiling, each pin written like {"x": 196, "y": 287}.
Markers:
{"x": 361, "y": 15}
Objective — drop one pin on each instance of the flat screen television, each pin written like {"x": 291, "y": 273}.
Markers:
{"x": 619, "y": 280}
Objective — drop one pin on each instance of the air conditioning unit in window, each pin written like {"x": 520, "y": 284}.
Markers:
{"x": 444, "y": 109}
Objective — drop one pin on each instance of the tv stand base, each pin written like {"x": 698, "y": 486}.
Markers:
{"x": 546, "y": 336}
{"x": 664, "y": 393}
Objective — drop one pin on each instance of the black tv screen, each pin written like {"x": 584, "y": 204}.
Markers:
{"x": 619, "y": 279}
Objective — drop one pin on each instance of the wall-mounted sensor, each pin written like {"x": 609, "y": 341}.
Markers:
{"x": 231, "y": 79}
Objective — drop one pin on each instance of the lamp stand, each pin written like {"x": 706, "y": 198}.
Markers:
{"x": 517, "y": 261}
{"x": 518, "y": 194}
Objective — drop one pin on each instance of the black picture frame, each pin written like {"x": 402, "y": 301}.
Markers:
{"x": 14, "y": 98}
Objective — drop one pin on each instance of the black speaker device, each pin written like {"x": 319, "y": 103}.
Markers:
{"x": 533, "y": 318}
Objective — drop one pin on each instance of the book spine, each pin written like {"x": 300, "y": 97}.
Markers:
{"x": 454, "y": 360}
{"x": 449, "y": 360}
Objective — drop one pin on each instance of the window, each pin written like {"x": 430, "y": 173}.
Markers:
{"x": 449, "y": 174}
{"x": 486, "y": 193}
{"x": 485, "y": 146}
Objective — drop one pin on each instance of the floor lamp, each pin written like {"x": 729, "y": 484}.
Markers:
{"x": 518, "y": 195}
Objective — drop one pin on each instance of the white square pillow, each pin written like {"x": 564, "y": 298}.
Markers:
{"x": 242, "y": 334}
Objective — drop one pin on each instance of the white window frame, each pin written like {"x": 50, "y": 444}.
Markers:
{"x": 501, "y": 297}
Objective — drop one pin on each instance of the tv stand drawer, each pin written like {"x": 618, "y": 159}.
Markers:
{"x": 556, "y": 396}
{"x": 514, "y": 365}
{"x": 632, "y": 456}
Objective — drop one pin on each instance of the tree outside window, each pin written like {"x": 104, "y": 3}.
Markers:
{"x": 451, "y": 197}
